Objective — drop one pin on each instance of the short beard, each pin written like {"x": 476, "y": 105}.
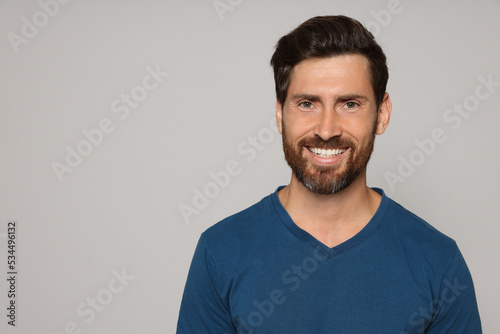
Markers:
{"x": 322, "y": 179}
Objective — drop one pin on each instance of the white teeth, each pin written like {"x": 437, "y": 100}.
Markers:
{"x": 326, "y": 153}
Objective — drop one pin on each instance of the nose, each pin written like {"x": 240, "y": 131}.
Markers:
{"x": 328, "y": 124}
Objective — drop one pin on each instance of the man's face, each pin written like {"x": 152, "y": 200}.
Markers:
{"x": 329, "y": 121}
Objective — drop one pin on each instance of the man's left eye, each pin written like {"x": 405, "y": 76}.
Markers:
{"x": 350, "y": 105}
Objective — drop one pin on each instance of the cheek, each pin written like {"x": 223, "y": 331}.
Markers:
{"x": 361, "y": 135}
{"x": 364, "y": 126}
{"x": 298, "y": 127}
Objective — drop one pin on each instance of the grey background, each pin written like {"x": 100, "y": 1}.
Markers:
{"x": 119, "y": 209}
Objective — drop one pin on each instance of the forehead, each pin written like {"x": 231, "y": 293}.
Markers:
{"x": 346, "y": 74}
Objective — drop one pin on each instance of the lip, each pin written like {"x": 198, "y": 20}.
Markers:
{"x": 326, "y": 161}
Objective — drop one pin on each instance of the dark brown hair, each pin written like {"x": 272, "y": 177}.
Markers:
{"x": 323, "y": 37}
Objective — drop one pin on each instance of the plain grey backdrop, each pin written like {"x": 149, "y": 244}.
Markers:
{"x": 129, "y": 127}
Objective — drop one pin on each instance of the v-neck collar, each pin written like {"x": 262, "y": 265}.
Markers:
{"x": 307, "y": 238}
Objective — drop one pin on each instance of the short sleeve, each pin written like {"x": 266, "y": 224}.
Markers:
{"x": 455, "y": 309}
{"x": 202, "y": 310}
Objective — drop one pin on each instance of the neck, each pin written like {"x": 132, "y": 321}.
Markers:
{"x": 335, "y": 218}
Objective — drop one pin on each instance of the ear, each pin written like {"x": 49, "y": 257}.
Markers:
{"x": 279, "y": 116}
{"x": 383, "y": 114}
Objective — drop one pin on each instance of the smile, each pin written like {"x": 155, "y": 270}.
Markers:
{"x": 321, "y": 152}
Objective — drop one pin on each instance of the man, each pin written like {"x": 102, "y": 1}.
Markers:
{"x": 327, "y": 254}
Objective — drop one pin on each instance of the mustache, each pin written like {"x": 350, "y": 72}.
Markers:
{"x": 332, "y": 143}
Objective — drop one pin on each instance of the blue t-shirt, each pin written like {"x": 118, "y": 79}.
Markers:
{"x": 258, "y": 272}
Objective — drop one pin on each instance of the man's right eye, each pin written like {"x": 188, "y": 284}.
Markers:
{"x": 306, "y": 104}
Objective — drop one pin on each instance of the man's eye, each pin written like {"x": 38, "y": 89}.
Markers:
{"x": 350, "y": 105}
{"x": 306, "y": 104}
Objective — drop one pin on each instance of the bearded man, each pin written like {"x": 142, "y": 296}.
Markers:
{"x": 326, "y": 253}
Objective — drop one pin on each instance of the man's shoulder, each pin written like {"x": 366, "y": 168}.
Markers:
{"x": 244, "y": 223}
{"x": 235, "y": 239}
{"x": 418, "y": 236}
{"x": 414, "y": 224}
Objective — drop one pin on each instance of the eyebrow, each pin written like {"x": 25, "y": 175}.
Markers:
{"x": 352, "y": 97}
{"x": 346, "y": 97}
{"x": 309, "y": 97}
